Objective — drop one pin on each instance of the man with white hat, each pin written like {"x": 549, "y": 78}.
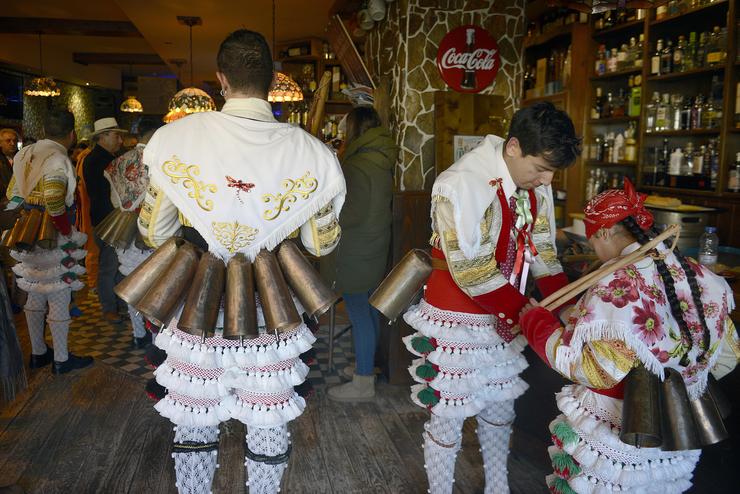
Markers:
{"x": 108, "y": 139}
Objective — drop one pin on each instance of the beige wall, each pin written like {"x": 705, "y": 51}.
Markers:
{"x": 402, "y": 52}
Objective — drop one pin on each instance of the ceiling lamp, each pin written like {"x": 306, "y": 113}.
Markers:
{"x": 42, "y": 86}
{"x": 132, "y": 105}
{"x": 189, "y": 100}
{"x": 283, "y": 88}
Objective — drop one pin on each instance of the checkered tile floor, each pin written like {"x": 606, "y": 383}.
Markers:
{"x": 112, "y": 344}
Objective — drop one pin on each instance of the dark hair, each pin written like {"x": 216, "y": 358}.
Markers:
{"x": 360, "y": 120}
{"x": 543, "y": 130}
{"x": 644, "y": 237}
{"x": 58, "y": 124}
{"x": 146, "y": 125}
{"x": 244, "y": 58}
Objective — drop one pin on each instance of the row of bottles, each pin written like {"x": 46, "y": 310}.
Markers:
{"x": 679, "y": 112}
{"x": 614, "y": 147}
{"x": 691, "y": 167}
{"x": 623, "y": 103}
{"x": 555, "y": 19}
{"x": 709, "y": 49}
{"x": 612, "y": 18}
{"x": 676, "y": 7}
{"x": 625, "y": 56}
{"x": 600, "y": 180}
{"x": 550, "y": 74}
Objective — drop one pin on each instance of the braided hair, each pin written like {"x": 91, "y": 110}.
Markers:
{"x": 644, "y": 237}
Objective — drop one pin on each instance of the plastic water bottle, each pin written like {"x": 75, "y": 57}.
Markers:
{"x": 709, "y": 247}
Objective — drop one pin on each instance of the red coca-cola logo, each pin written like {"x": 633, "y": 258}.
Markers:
{"x": 468, "y": 59}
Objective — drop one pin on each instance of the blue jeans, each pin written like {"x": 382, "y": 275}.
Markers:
{"x": 365, "y": 330}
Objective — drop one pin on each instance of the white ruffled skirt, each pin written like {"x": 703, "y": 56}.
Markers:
{"x": 464, "y": 365}
{"x": 51, "y": 270}
{"x": 217, "y": 380}
{"x": 588, "y": 456}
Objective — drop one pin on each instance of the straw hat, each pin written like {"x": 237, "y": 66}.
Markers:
{"x": 105, "y": 125}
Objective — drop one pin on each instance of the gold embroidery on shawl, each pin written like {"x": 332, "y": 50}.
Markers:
{"x": 617, "y": 352}
{"x": 541, "y": 225}
{"x": 233, "y": 235}
{"x": 177, "y": 171}
{"x": 474, "y": 272}
{"x": 594, "y": 373}
{"x": 302, "y": 186}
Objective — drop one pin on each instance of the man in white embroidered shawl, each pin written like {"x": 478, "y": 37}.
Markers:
{"x": 493, "y": 220}
{"x": 44, "y": 178}
{"x": 237, "y": 181}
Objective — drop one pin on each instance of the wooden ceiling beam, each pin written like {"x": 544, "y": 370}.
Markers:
{"x": 70, "y": 27}
{"x": 86, "y": 58}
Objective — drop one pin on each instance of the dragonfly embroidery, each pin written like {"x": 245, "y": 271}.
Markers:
{"x": 239, "y": 185}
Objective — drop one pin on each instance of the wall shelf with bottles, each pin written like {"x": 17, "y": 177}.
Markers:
{"x": 610, "y": 164}
{"x": 617, "y": 74}
{"x": 634, "y": 26}
{"x": 613, "y": 120}
{"x": 688, "y": 12}
{"x": 680, "y": 133}
{"x": 544, "y": 38}
{"x": 687, "y": 73}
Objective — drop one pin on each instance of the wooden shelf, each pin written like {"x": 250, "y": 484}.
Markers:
{"x": 734, "y": 130}
{"x": 619, "y": 73}
{"x": 300, "y": 59}
{"x": 688, "y": 12}
{"x": 619, "y": 28}
{"x": 678, "y": 190}
{"x": 541, "y": 39}
{"x": 549, "y": 97}
{"x": 611, "y": 164}
{"x": 612, "y": 120}
{"x": 681, "y": 133}
{"x": 686, "y": 74}
{"x": 338, "y": 102}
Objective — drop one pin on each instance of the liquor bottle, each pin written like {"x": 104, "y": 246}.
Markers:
{"x": 618, "y": 104}
{"x": 652, "y": 108}
{"x": 666, "y": 58}
{"x": 598, "y": 105}
{"x": 662, "y": 168}
{"x": 714, "y": 52}
{"x": 690, "y": 53}
{"x": 635, "y": 97}
{"x": 714, "y": 165}
{"x": 468, "y": 80}
{"x": 734, "y": 180}
{"x": 675, "y": 114}
{"x": 661, "y": 113}
{"x": 686, "y": 114}
{"x": 708, "y": 117}
{"x": 655, "y": 59}
{"x": 622, "y": 55}
{"x": 601, "y": 61}
{"x": 675, "y": 165}
{"x": 606, "y": 111}
{"x": 611, "y": 62}
{"x": 701, "y": 51}
{"x": 706, "y": 162}
{"x": 687, "y": 166}
{"x": 566, "y": 68}
{"x": 696, "y": 112}
{"x": 699, "y": 160}
{"x": 634, "y": 56}
{"x": 678, "y": 55}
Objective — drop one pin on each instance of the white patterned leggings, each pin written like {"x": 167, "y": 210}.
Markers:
{"x": 58, "y": 318}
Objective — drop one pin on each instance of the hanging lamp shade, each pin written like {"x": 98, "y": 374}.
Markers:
{"x": 187, "y": 101}
{"x": 284, "y": 88}
{"x": 132, "y": 105}
{"x": 42, "y": 86}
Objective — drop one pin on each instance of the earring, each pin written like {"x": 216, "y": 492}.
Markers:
{"x": 222, "y": 93}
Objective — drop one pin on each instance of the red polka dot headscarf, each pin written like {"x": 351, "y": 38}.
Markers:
{"x": 612, "y": 206}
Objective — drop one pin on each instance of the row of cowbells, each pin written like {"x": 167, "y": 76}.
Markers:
{"x": 179, "y": 275}
{"x": 659, "y": 414}
{"x": 118, "y": 229}
{"x": 33, "y": 228}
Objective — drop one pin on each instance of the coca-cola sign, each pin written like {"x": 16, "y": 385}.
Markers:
{"x": 468, "y": 59}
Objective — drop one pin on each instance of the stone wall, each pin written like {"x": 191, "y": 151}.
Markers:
{"x": 402, "y": 51}
{"x": 77, "y": 99}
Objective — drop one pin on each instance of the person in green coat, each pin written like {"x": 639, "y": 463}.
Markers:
{"x": 360, "y": 262}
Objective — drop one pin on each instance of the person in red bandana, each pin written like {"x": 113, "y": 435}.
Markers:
{"x": 493, "y": 224}
{"x": 663, "y": 312}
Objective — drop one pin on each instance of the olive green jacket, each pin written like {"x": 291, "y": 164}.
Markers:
{"x": 359, "y": 262}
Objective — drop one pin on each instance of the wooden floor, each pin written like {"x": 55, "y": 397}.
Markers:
{"x": 96, "y": 432}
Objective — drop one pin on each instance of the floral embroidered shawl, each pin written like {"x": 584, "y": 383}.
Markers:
{"x": 630, "y": 305}
{"x": 129, "y": 178}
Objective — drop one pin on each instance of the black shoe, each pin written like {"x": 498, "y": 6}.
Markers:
{"x": 143, "y": 341}
{"x": 154, "y": 356}
{"x": 72, "y": 363}
{"x": 38, "y": 361}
